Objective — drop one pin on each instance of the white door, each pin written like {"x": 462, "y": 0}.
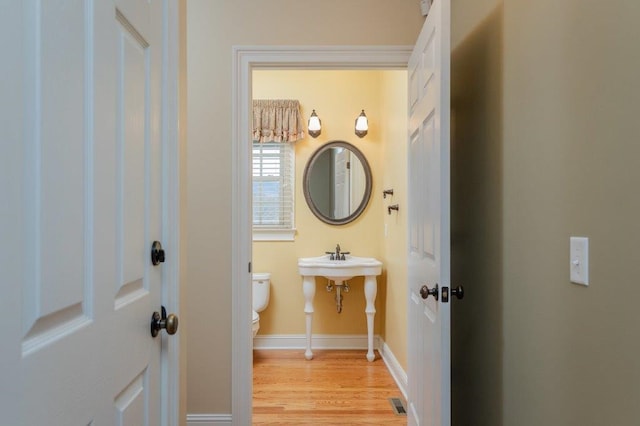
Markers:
{"x": 357, "y": 182}
{"x": 341, "y": 206}
{"x": 429, "y": 247}
{"x": 81, "y": 206}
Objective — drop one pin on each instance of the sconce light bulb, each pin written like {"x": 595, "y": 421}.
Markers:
{"x": 315, "y": 125}
{"x": 362, "y": 125}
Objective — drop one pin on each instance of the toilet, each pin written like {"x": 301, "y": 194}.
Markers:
{"x": 261, "y": 289}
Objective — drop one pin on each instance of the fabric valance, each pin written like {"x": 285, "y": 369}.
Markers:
{"x": 277, "y": 120}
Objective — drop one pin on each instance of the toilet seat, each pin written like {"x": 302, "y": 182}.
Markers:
{"x": 255, "y": 318}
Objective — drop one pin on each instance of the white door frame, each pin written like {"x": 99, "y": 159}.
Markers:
{"x": 170, "y": 358}
{"x": 245, "y": 60}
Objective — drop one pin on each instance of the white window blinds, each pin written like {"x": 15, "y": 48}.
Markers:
{"x": 273, "y": 181}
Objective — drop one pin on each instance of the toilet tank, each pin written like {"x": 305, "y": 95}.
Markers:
{"x": 261, "y": 289}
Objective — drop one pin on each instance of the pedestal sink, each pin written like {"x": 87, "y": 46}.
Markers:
{"x": 340, "y": 271}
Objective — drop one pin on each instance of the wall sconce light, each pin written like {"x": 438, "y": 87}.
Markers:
{"x": 315, "y": 125}
{"x": 362, "y": 125}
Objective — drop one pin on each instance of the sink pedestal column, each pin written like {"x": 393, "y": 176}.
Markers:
{"x": 370, "y": 292}
{"x": 309, "y": 290}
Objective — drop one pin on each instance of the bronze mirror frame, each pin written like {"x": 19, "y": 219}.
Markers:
{"x": 367, "y": 190}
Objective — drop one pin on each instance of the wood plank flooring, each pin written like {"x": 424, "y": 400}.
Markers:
{"x": 337, "y": 387}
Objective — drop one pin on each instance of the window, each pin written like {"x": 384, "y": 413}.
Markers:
{"x": 273, "y": 181}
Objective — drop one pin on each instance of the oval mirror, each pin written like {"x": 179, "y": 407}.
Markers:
{"x": 337, "y": 183}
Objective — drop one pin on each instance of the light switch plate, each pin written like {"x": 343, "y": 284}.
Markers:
{"x": 579, "y": 260}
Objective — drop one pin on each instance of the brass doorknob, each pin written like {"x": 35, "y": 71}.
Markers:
{"x": 171, "y": 324}
{"x": 160, "y": 321}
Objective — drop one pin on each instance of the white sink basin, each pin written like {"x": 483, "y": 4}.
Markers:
{"x": 339, "y": 270}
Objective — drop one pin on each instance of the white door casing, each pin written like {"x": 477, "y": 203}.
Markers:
{"x": 88, "y": 196}
{"x": 428, "y": 231}
{"x": 245, "y": 59}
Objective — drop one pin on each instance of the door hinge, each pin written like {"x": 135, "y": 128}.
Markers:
{"x": 249, "y": 267}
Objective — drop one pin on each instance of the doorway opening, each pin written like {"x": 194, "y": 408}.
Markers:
{"x": 337, "y": 96}
{"x": 246, "y": 60}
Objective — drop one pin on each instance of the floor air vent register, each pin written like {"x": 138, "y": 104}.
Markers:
{"x": 398, "y": 406}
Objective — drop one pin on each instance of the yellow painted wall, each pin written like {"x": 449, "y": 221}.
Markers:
{"x": 394, "y": 246}
{"x": 338, "y": 97}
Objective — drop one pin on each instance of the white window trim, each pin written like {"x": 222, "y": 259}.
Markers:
{"x": 263, "y": 234}
{"x": 275, "y": 233}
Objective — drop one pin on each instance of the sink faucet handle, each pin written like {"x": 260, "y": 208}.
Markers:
{"x": 332, "y": 255}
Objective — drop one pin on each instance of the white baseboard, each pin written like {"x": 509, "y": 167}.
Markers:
{"x": 394, "y": 367}
{"x": 209, "y": 420}
{"x": 319, "y": 341}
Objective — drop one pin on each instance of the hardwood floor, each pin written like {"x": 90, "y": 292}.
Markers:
{"x": 335, "y": 388}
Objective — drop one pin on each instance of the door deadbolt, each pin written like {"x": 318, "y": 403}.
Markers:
{"x": 157, "y": 253}
{"x": 160, "y": 321}
{"x": 426, "y": 292}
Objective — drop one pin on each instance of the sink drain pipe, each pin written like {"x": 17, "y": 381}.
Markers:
{"x": 343, "y": 286}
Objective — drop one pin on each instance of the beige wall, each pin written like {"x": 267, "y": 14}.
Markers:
{"x": 476, "y": 213}
{"x": 561, "y": 138}
{"x": 544, "y": 102}
{"x": 570, "y": 168}
{"x": 213, "y": 27}
{"x": 558, "y": 79}
{"x": 182, "y": 99}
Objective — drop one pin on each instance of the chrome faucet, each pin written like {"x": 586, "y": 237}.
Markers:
{"x": 337, "y": 255}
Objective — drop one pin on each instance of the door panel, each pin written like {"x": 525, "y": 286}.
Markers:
{"x": 130, "y": 403}
{"x": 429, "y": 246}
{"x": 89, "y": 109}
{"x": 131, "y": 112}
{"x": 55, "y": 299}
